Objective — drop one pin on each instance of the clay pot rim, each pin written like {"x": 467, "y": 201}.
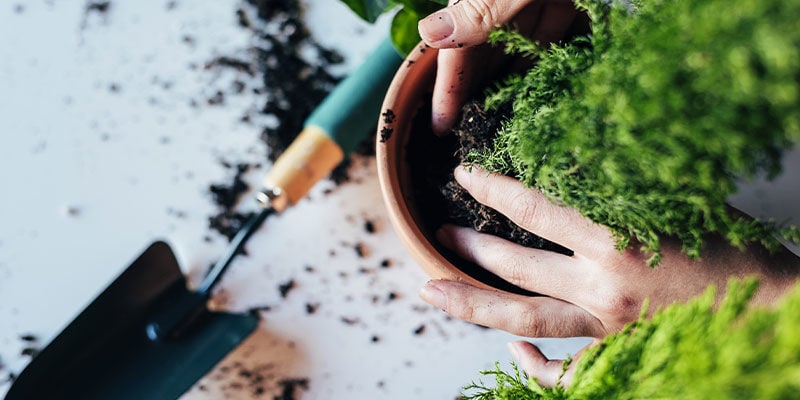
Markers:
{"x": 402, "y": 101}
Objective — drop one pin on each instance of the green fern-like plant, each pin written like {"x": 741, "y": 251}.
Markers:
{"x": 685, "y": 351}
{"x": 647, "y": 124}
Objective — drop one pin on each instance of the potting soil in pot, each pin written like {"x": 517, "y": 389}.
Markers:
{"x": 441, "y": 200}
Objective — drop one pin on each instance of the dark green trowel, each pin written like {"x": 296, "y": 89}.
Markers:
{"x": 148, "y": 336}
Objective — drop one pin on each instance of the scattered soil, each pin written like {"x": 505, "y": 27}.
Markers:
{"x": 258, "y": 309}
{"x": 311, "y": 308}
{"x": 101, "y": 7}
{"x": 290, "y": 388}
{"x": 286, "y": 287}
{"x": 227, "y": 195}
{"x": 28, "y": 338}
{"x": 361, "y": 250}
{"x": 257, "y": 381}
{"x": 293, "y": 85}
{"x": 369, "y": 227}
{"x": 445, "y": 201}
{"x": 30, "y": 345}
{"x": 227, "y": 221}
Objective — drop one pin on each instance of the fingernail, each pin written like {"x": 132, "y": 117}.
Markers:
{"x": 441, "y": 124}
{"x": 462, "y": 176}
{"x": 443, "y": 236}
{"x": 436, "y": 27}
{"x": 433, "y": 295}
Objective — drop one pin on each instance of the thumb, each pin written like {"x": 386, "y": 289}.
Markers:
{"x": 467, "y": 22}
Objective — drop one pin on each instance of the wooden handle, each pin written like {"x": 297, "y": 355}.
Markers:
{"x": 342, "y": 120}
{"x": 311, "y": 157}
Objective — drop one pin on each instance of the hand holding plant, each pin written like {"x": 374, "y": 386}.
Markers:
{"x": 593, "y": 293}
{"x": 627, "y": 143}
{"x": 465, "y": 60}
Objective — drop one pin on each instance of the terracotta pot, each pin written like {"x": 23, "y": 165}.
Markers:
{"x": 409, "y": 90}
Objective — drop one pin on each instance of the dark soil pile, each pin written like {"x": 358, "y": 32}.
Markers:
{"x": 293, "y": 86}
{"x": 441, "y": 200}
{"x": 226, "y": 195}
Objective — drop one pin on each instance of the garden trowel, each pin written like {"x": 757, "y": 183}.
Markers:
{"x": 148, "y": 336}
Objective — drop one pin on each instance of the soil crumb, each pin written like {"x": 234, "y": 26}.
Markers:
{"x": 311, "y": 308}
{"x": 291, "y": 387}
{"x": 227, "y": 195}
{"x": 100, "y": 7}
{"x": 262, "y": 380}
{"x": 227, "y": 221}
{"x": 361, "y": 250}
{"x": 286, "y": 287}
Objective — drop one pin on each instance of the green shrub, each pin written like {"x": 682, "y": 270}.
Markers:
{"x": 685, "y": 351}
{"x": 646, "y": 125}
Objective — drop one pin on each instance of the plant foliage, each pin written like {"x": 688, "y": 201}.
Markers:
{"x": 403, "y": 29}
{"x": 647, "y": 124}
{"x": 685, "y": 351}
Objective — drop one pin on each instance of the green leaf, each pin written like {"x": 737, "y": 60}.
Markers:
{"x": 369, "y": 10}
{"x": 422, "y": 7}
{"x": 404, "y": 32}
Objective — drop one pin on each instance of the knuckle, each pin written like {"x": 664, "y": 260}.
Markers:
{"x": 514, "y": 269}
{"x": 529, "y": 323}
{"x": 522, "y": 207}
{"x": 462, "y": 309}
{"x": 480, "y": 13}
{"x": 607, "y": 257}
{"x": 618, "y": 307}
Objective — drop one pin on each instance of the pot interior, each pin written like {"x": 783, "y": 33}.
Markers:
{"x": 408, "y": 152}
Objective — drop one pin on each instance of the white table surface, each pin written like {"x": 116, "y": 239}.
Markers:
{"x": 124, "y": 162}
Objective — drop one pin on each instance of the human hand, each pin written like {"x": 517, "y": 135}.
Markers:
{"x": 594, "y": 292}
{"x": 459, "y": 32}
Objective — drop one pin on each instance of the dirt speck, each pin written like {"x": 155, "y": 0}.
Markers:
{"x": 28, "y": 337}
{"x": 291, "y": 387}
{"x": 311, "y": 308}
{"x": 286, "y": 287}
{"x": 71, "y": 211}
{"x": 100, "y": 7}
{"x": 350, "y": 320}
{"x": 369, "y": 227}
{"x": 361, "y": 250}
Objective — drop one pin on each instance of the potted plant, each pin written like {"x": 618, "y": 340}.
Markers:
{"x": 707, "y": 96}
{"x": 699, "y": 115}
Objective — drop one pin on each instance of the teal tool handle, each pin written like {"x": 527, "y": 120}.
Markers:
{"x": 333, "y": 130}
{"x": 350, "y": 112}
